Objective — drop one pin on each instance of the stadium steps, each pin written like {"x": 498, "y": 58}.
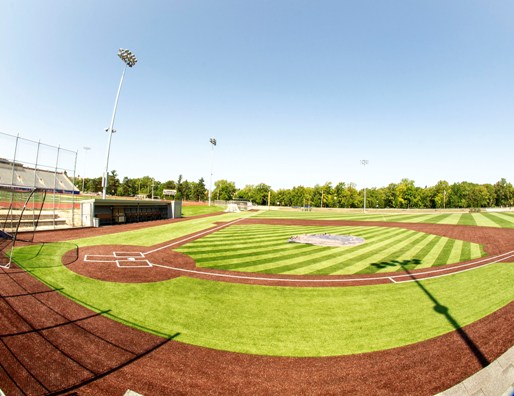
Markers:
{"x": 46, "y": 220}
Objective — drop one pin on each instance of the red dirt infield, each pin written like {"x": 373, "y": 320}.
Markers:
{"x": 52, "y": 345}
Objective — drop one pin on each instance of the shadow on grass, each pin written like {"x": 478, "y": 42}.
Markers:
{"x": 407, "y": 266}
{"x": 46, "y": 251}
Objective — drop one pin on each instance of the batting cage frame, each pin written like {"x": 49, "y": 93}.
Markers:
{"x": 15, "y": 219}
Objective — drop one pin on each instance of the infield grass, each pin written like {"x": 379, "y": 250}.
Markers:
{"x": 265, "y": 249}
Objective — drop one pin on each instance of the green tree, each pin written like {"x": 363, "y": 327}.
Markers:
{"x": 224, "y": 190}
{"x": 504, "y": 193}
{"x": 199, "y": 191}
{"x": 260, "y": 194}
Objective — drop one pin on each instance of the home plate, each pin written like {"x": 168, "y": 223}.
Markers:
{"x": 131, "y": 262}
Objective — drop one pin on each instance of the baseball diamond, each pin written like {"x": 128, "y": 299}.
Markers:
{"x": 148, "y": 317}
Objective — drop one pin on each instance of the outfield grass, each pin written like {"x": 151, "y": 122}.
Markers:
{"x": 483, "y": 219}
{"x": 190, "y": 211}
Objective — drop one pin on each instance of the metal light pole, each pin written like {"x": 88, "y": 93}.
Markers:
{"x": 364, "y": 163}
{"x": 130, "y": 60}
{"x": 86, "y": 149}
{"x": 213, "y": 142}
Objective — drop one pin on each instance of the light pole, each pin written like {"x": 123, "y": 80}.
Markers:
{"x": 86, "y": 149}
{"x": 130, "y": 60}
{"x": 213, "y": 142}
{"x": 364, "y": 163}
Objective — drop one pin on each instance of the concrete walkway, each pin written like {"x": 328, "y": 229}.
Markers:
{"x": 497, "y": 379}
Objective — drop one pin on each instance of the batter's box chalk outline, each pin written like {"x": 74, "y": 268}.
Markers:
{"x": 128, "y": 254}
{"x": 99, "y": 258}
{"x": 133, "y": 263}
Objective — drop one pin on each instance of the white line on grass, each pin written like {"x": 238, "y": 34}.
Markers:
{"x": 491, "y": 260}
{"x": 195, "y": 235}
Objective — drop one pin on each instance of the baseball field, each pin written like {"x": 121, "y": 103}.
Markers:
{"x": 224, "y": 302}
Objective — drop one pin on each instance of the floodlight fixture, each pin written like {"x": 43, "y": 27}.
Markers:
{"x": 127, "y": 57}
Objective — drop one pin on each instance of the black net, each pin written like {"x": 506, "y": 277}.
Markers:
{"x": 20, "y": 211}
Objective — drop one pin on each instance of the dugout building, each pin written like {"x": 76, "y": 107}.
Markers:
{"x": 100, "y": 212}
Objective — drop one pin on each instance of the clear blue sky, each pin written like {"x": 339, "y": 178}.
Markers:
{"x": 295, "y": 92}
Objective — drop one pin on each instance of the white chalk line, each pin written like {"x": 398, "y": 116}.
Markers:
{"x": 196, "y": 235}
{"x": 141, "y": 256}
{"x": 392, "y": 278}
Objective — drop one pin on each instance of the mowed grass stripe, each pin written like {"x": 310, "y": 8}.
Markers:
{"x": 444, "y": 255}
{"x": 406, "y": 253}
{"x": 221, "y": 242}
{"x": 500, "y": 219}
{"x": 265, "y": 249}
{"x": 426, "y": 249}
{"x": 335, "y": 259}
{"x": 465, "y": 253}
{"x": 294, "y": 258}
{"x": 376, "y": 254}
{"x": 248, "y": 232}
{"x": 358, "y": 253}
{"x": 430, "y": 259}
{"x": 441, "y": 218}
{"x": 437, "y": 219}
{"x": 467, "y": 219}
{"x": 483, "y": 220}
{"x": 204, "y": 250}
{"x": 240, "y": 236}
{"x": 316, "y": 255}
{"x": 476, "y": 251}
{"x": 455, "y": 253}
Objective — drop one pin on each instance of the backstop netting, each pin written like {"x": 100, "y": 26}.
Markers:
{"x": 20, "y": 213}
{"x": 26, "y": 164}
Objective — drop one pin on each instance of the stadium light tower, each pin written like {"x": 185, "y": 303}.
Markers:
{"x": 364, "y": 163}
{"x": 130, "y": 60}
{"x": 86, "y": 149}
{"x": 213, "y": 142}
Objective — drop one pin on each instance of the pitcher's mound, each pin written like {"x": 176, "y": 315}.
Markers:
{"x": 327, "y": 240}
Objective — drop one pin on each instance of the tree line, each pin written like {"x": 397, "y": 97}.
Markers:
{"x": 145, "y": 186}
{"x": 402, "y": 195}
